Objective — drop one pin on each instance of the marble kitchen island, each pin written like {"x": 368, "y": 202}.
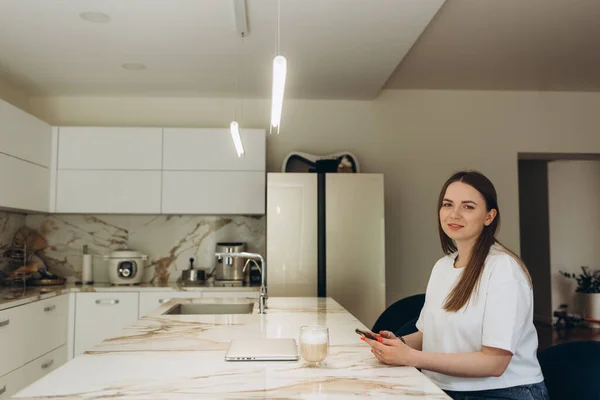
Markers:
{"x": 182, "y": 357}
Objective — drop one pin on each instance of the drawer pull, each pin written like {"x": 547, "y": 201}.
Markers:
{"x": 161, "y": 301}
{"x": 3, "y": 389}
{"x": 48, "y": 364}
{"x": 49, "y": 308}
{"x": 111, "y": 301}
{"x": 4, "y": 323}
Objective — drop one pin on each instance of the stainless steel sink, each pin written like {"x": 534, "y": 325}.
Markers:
{"x": 198, "y": 309}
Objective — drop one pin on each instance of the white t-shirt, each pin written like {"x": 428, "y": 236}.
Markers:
{"x": 500, "y": 314}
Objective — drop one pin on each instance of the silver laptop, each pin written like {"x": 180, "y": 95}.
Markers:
{"x": 262, "y": 350}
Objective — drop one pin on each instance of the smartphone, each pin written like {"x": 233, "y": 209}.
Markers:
{"x": 368, "y": 335}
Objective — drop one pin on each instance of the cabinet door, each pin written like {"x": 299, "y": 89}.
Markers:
{"x": 13, "y": 338}
{"x": 25, "y": 186}
{"x": 131, "y": 192}
{"x": 213, "y": 150}
{"x": 355, "y": 237}
{"x": 150, "y": 301}
{"x": 12, "y": 383}
{"x": 110, "y": 148}
{"x": 206, "y": 192}
{"x": 292, "y": 233}
{"x": 24, "y": 136}
{"x": 49, "y": 316}
{"x": 99, "y": 316}
{"x": 43, "y": 365}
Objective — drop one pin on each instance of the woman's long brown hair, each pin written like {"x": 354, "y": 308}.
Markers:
{"x": 469, "y": 281}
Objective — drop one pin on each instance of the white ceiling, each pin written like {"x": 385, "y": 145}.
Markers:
{"x": 507, "y": 45}
{"x": 335, "y": 48}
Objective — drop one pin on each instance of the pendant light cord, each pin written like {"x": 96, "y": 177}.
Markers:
{"x": 278, "y": 24}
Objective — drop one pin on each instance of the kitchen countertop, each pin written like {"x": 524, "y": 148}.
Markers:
{"x": 17, "y": 296}
{"x": 182, "y": 357}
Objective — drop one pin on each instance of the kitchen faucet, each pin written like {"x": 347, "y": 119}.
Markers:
{"x": 263, "y": 296}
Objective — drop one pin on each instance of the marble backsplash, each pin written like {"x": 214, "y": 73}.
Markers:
{"x": 9, "y": 224}
{"x": 168, "y": 240}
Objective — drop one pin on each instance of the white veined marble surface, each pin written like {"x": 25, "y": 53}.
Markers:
{"x": 182, "y": 357}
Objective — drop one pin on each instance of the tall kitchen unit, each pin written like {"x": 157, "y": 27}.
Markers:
{"x": 326, "y": 237}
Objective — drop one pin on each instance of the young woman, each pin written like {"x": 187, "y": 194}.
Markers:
{"x": 476, "y": 337}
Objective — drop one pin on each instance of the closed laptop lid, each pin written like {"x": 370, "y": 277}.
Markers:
{"x": 262, "y": 350}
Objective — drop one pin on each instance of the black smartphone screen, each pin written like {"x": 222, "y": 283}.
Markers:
{"x": 365, "y": 334}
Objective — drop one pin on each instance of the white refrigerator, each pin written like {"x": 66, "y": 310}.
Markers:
{"x": 326, "y": 237}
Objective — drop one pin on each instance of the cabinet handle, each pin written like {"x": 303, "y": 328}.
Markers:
{"x": 4, "y": 323}
{"x": 48, "y": 364}
{"x": 161, "y": 301}
{"x": 3, "y": 389}
{"x": 112, "y": 301}
{"x": 49, "y": 308}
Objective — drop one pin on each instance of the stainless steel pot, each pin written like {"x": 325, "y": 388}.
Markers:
{"x": 229, "y": 268}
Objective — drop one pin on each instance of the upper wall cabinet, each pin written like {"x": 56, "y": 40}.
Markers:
{"x": 25, "y": 157}
{"x": 110, "y": 148}
{"x": 213, "y": 150}
{"x": 24, "y": 136}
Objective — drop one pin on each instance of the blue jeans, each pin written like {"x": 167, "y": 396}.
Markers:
{"x": 536, "y": 391}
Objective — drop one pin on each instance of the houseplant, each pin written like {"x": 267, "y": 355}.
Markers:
{"x": 588, "y": 285}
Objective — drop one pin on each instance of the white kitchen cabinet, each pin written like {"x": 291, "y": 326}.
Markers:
{"x": 213, "y": 192}
{"x": 150, "y": 301}
{"x": 47, "y": 326}
{"x": 14, "y": 323}
{"x": 110, "y": 148}
{"x": 213, "y": 150}
{"x": 25, "y": 186}
{"x": 43, "y": 365}
{"x": 24, "y": 136}
{"x": 99, "y": 316}
{"x": 12, "y": 383}
{"x": 117, "y": 192}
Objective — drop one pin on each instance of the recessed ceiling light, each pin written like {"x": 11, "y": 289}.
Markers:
{"x": 95, "y": 17}
{"x": 133, "y": 66}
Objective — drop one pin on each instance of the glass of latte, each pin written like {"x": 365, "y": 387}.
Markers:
{"x": 314, "y": 344}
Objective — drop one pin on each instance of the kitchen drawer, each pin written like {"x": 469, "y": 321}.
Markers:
{"x": 110, "y": 148}
{"x": 118, "y": 192}
{"x": 14, "y": 325}
{"x": 248, "y": 295}
{"x": 213, "y": 150}
{"x": 213, "y": 192}
{"x": 150, "y": 301}
{"x": 12, "y": 383}
{"x": 43, "y": 365}
{"x": 100, "y": 316}
{"x": 48, "y": 326}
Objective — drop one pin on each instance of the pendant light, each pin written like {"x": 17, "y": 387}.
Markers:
{"x": 279, "y": 75}
{"x": 239, "y": 7}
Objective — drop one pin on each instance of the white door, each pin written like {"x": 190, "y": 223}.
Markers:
{"x": 117, "y": 192}
{"x": 99, "y": 316}
{"x": 213, "y": 150}
{"x": 292, "y": 234}
{"x": 213, "y": 192}
{"x": 110, "y": 148}
{"x": 355, "y": 237}
{"x": 25, "y": 186}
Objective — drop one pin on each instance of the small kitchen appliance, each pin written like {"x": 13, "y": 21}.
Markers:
{"x": 125, "y": 266}
{"x": 229, "y": 270}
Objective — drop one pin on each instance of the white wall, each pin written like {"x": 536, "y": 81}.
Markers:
{"x": 14, "y": 95}
{"x": 417, "y": 138}
{"x": 573, "y": 194}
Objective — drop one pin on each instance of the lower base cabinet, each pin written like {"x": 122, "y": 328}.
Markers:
{"x": 20, "y": 378}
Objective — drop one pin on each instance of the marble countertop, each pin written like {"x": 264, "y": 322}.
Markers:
{"x": 182, "y": 357}
{"x": 17, "y": 296}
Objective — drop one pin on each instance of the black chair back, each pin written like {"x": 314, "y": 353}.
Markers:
{"x": 572, "y": 370}
{"x": 400, "y": 313}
